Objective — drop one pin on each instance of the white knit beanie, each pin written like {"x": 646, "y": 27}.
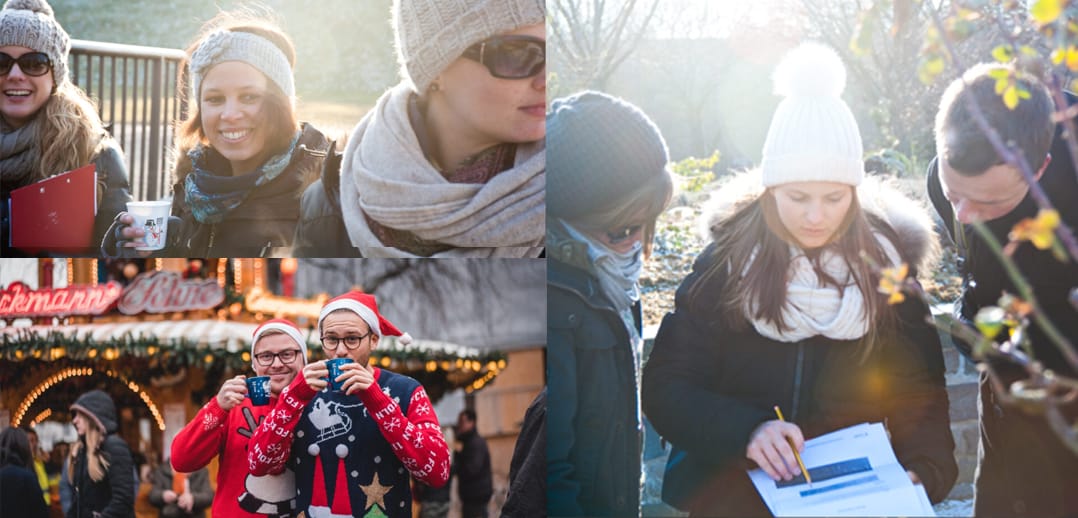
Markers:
{"x": 431, "y": 34}
{"x": 30, "y": 24}
{"x": 813, "y": 136}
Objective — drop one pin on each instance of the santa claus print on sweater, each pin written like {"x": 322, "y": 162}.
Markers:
{"x": 353, "y": 455}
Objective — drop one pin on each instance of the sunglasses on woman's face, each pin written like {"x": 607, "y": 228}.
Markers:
{"x": 31, "y": 63}
{"x": 510, "y": 57}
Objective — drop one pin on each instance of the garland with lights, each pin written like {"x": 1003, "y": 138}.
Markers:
{"x": 145, "y": 357}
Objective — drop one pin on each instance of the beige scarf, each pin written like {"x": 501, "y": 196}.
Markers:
{"x": 385, "y": 174}
{"x": 813, "y": 308}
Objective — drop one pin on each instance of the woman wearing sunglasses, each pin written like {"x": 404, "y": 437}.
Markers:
{"x": 450, "y": 162}
{"x": 244, "y": 159}
{"x": 783, "y": 309}
{"x": 607, "y": 185}
{"x": 47, "y": 125}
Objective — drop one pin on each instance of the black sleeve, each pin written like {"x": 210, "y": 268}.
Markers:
{"x": 526, "y": 496}
{"x": 112, "y": 176}
{"x": 320, "y": 231}
{"x": 676, "y": 391}
{"x": 121, "y": 476}
{"x": 918, "y": 408}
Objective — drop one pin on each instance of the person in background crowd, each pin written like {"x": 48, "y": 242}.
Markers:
{"x": 451, "y": 161}
{"x": 471, "y": 466}
{"x": 38, "y": 464}
{"x": 244, "y": 159}
{"x": 1023, "y": 468}
{"x": 102, "y": 471}
{"x": 607, "y": 184}
{"x": 222, "y": 429}
{"x": 181, "y": 495}
{"x": 18, "y": 484}
{"x": 48, "y": 125}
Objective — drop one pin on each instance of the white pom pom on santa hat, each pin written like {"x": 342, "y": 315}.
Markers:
{"x": 812, "y": 69}
{"x": 366, "y": 307}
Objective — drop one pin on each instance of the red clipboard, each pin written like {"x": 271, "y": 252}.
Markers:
{"x": 55, "y": 214}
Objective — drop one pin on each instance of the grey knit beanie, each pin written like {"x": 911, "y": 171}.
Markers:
{"x": 30, "y": 24}
{"x": 599, "y": 149}
{"x": 224, "y": 45}
{"x": 431, "y": 34}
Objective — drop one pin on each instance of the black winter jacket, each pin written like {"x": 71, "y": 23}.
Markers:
{"x": 706, "y": 387}
{"x": 1023, "y": 467}
{"x": 593, "y": 434}
{"x": 265, "y": 221}
{"x": 111, "y": 179}
{"x": 472, "y": 467}
{"x": 320, "y": 231}
{"x": 114, "y": 495}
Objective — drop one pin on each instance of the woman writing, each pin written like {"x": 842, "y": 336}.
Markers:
{"x": 450, "y": 162}
{"x": 102, "y": 473}
{"x": 244, "y": 159}
{"x": 47, "y": 124}
{"x": 783, "y": 309}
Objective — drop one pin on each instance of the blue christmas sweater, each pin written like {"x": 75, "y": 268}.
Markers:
{"x": 353, "y": 454}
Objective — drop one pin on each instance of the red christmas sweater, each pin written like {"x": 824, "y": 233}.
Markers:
{"x": 353, "y": 454}
{"x": 215, "y": 432}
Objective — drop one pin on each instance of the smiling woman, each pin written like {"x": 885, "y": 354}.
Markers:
{"x": 243, "y": 158}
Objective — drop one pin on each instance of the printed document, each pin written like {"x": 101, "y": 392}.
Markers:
{"x": 854, "y": 473}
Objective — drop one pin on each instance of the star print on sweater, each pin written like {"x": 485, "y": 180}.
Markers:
{"x": 353, "y": 454}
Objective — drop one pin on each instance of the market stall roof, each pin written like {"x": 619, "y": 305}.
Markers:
{"x": 234, "y": 337}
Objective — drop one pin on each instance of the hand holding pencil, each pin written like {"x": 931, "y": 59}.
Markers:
{"x": 774, "y": 446}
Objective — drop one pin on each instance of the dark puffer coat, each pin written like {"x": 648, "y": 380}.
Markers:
{"x": 114, "y": 495}
{"x": 706, "y": 387}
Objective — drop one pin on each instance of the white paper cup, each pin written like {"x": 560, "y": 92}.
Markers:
{"x": 151, "y": 217}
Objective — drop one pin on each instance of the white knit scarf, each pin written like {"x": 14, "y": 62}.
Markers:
{"x": 813, "y": 308}
{"x": 385, "y": 174}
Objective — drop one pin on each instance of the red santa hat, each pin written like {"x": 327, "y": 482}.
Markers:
{"x": 284, "y": 325}
{"x": 366, "y": 307}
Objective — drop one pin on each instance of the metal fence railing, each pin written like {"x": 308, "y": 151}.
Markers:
{"x": 135, "y": 89}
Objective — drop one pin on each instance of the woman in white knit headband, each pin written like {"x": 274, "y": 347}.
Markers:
{"x": 243, "y": 158}
{"x": 451, "y": 161}
{"x": 47, "y": 124}
{"x": 783, "y": 309}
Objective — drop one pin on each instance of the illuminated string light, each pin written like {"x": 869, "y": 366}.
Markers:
{"x": 158, "y": 264}
{"x": 258, "y": 273}
{"x": 222, "y": 265}
{"x": 237, "y": 274}
{"x": 71, "y": 372}
{"x": 41, "y": 417}
{"x": 70, "y": 271}
{"x": 93, "y": 273}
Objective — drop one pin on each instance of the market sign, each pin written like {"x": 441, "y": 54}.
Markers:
{"x": 154, "y": 292}
{"x": 19, "y": 301}
{"x": 164, "y": 292}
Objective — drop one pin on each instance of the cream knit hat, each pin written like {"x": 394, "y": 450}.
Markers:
{"x": 813, "y": 135}
{"x": 225, "y": 45}
{"x": 30, "y": 24}
{"x": 431, "y": 34}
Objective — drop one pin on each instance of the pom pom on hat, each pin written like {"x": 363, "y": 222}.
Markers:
{"x": 811, "y": 69}
{"x": 284, "y": 325}
{"x": 366, "y": 307}
{"x": 813, "y": 136}
{"x": 37, "y": 6}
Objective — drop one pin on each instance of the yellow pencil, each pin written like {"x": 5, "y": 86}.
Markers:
{"x": 794, "y": 448}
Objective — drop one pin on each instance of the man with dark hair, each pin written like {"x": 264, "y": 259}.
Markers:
{"x": 471, "y": 465}
{"x": 1023, "y": 469}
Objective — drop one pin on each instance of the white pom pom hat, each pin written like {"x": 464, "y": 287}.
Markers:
{"x": 366, "y": 307}
{"x": 284, "y": 325}
{"x": 813, "y": 136}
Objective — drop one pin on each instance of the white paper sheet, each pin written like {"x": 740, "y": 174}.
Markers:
{"x": 854, "y": 473}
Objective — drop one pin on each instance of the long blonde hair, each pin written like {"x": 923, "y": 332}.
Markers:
{"x": 96, "y": 463}
{"x": 70, "y": 132}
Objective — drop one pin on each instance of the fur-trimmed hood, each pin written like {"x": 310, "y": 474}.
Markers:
{"x": 917, "y": 240}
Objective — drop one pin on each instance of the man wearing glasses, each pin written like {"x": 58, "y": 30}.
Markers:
{"x": 224, "y": 426}
{"x": 353, "y": 448}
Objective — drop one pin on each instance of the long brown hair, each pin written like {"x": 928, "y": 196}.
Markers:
{"x": 96, "y": 463}
{"x": 753, "y": 240}
{"x": 70, "y": 132}
{"x": 280, "y": 115}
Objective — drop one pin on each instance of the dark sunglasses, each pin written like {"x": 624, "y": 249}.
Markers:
{"x": 618, "y": 235}
{"x": 31, "y": 63}
{"x": 510, "y": 57}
